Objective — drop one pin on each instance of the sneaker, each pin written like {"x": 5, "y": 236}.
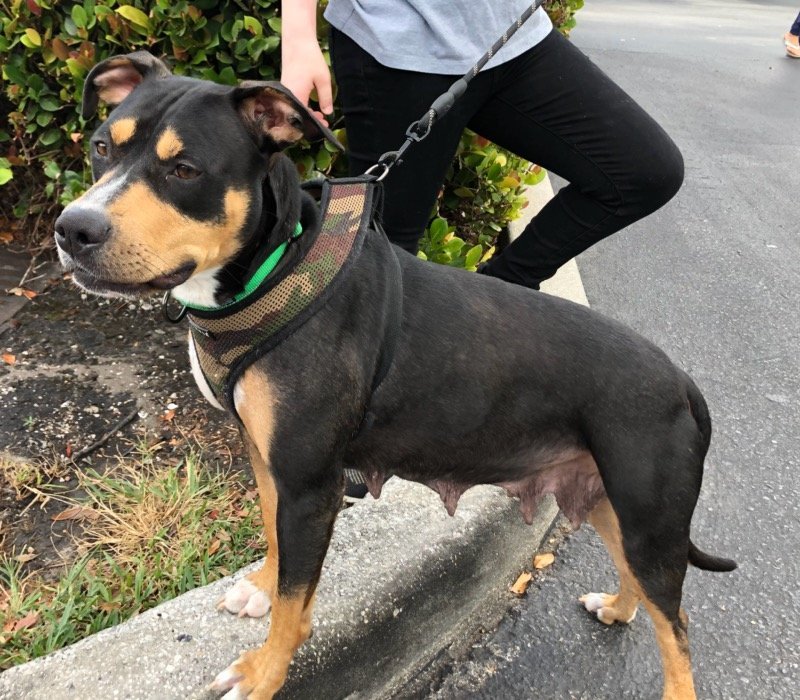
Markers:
{"x": 792, "y": 44}
{"x": 355, "y": 487}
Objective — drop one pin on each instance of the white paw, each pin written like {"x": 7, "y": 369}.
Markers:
{"x": 596, "y": 603}
{"x": 234, "y": 694}
{"x": 593, "y": 601}
{"x": 227, "y": 680}
{"x": 245, "y": 599}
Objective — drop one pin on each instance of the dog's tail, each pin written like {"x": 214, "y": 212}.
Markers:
{"x": 699, "y": 409}
{"x": 708, "y": 562}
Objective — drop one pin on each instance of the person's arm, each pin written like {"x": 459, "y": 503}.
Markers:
{"x": 303, "y": 67}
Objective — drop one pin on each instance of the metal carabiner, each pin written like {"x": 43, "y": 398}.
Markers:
{"x": 380, "y": 164}
{"x": 165, "y": 308}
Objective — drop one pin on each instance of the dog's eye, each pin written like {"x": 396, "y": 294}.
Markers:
{"x": 296, "y": 122}
{"x": 185, "y": 171}
{"x": 101, "y": 148}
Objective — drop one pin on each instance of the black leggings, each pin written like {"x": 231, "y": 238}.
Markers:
{"x": 550, "y": 105}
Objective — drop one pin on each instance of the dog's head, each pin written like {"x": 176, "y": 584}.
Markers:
{"x": 179, "y": 170}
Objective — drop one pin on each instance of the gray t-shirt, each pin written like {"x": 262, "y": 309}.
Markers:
{"x": 436, "y": 36}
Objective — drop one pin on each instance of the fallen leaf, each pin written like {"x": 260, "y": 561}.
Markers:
{"x": 521, "y": 584}
{"x": 28, "y": 621}
{"x": 22, "y": 292}
{"x": 214, "y": 546}
{"x": 68, "y": 450}
{"x": 109, "y": 606}
{"x": 542, "y": 561}
{"x": 76, "y": 513}
{"x": 168, "y": 416}
{"x": 6, "y": 236}
{"x": 9, "y": 359}
{"x": 26, "y": 557}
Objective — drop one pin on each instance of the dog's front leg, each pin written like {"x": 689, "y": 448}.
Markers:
{"x": 304, "y": 525}
{"x": 252, "y": 595}
{"x": 300, "y": 485}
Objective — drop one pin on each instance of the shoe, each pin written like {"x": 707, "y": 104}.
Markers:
{"x": 792, "y": 44}
{"x": 355, "y": 487}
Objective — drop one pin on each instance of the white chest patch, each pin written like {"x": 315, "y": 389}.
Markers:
{"x": 199, "y": 289}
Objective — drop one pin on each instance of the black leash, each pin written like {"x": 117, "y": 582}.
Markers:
{"x": 420, "y": 129}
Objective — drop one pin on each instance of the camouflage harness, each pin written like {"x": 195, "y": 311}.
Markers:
{"x": 229, "y": 339}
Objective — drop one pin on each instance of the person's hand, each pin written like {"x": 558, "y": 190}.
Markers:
{"x": 303, "y": 69}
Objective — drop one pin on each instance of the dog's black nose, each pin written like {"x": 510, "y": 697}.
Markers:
{"x": 81, "y": 229}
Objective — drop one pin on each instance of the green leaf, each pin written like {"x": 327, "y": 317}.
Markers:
{"x": 454, "y": 245}
{"x": 79, "y": 16}
{"x": 464, "y": 192}
{"x": 252, "y": 25}
{"x": 323, "y": 160}
{"x": 75, "y": 67}
{"x": 49, "y": 137}
{"x": 438, "y": 230}
{"x": 51, "y": 170}
{"x": 5, "y": 175}
{"x": 135, "y": 16}
{"x": 473, "y": 256}
{"x": 227, "y": 76}
{"x": 50, "y": 103}
{"x": 275, "y": 24}
{"x": 34, "y": 37}
{"x": 14, "y": 74}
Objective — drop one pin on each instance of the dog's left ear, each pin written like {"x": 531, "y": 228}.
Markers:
{"x": 270, "y": 110}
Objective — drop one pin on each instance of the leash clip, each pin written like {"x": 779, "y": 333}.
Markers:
{"x": 165, "y": 308}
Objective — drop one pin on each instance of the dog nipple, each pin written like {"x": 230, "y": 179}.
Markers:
{"x": 450, "y": 493}
{"x": 374, "y": 480}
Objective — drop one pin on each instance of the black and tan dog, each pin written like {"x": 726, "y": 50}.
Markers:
{"x": 489, "y": 383}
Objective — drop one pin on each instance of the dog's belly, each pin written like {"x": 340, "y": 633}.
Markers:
{"x": 571, "y": 475}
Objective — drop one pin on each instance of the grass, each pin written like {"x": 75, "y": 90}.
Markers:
{"x": 144, "y": 533}
{"x": 24, "y": 475}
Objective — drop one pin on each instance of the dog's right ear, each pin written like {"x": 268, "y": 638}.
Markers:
{"x": 112, "y": 80}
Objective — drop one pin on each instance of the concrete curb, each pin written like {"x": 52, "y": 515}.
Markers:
{"x": 402, "y": 581}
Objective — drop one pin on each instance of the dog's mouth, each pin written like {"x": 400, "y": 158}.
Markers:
{"x": 93, "y": 282}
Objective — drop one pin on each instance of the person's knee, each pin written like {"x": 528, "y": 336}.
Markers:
{"x": 656, "y": 181}
{"x": 671, "y": 173}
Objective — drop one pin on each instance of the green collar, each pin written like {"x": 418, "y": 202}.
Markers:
{"x": 258, "y": 277}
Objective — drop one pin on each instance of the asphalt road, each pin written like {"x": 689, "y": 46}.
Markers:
{"x": 714, "y": 279}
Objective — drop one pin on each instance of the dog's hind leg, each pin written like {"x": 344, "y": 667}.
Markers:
{"x": 622, "y": 606}
{"x": 652, "y": 477}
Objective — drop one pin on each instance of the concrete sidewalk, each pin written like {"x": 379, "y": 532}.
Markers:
{"x": 402, "y": 582}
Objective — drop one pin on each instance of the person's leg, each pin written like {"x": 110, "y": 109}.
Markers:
{"x": 379, "y": 103}
{"x": 796, "y": 27}
{"x": 553, "y": 106}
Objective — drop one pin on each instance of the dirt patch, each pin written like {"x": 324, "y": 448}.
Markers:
{"x": 75, "y": 366}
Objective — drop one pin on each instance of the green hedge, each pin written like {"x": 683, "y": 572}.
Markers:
{"x": 48, "y": 47}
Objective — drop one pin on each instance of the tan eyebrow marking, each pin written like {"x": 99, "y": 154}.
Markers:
{"x": 169, "y": 144}
{"x": 122, "y": 130}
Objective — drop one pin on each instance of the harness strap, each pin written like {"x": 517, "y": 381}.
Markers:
{"x": 391, "y": 337}
{"x": 230, "y": 338}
